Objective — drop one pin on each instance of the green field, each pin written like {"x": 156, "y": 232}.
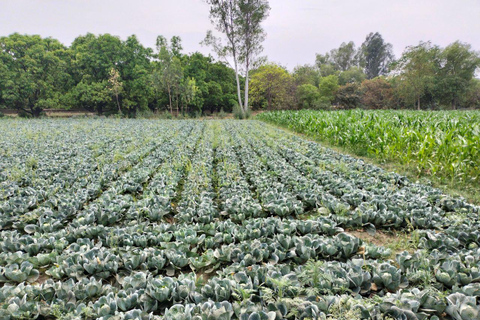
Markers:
{"x": 443, "y": 146}
{"x": 204, "y": 220}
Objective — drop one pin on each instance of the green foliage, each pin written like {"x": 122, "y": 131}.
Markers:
{"x": 338, "y": 61}
{"x": 344, "y": 58}
{"x": 306, "y": 74}
{"x": 271, "y": 88}
{"x": 34, "y": 73}
{"x": 325, "y": 65}
{"x": 49, "y": 75}
{"x": 146, "y": 114}
{"x": 222, "y": 114}
{"x": 417, "y": 68}
{"x": 308, "y": 96}
{"x": 169, "y": 70}
{"x": 426, "y": 76}
{"x": 352, "y": 75}
{"x": 432, "y": 75}
{"x": 375, "y": 55}
{"x": 472, "y": 98}
{"x": 238, "y": 112}
{"x": 458, "y": 64}
{"x": 93, "y": 58}
{"x": 215, "y": 82}
{"x": 327, "y": 88}
{"x": 40, "y": 73}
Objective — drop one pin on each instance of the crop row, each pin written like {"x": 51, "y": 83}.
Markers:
{"x": 228, "y": 220}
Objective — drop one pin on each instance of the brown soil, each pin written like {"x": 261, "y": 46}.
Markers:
{"x": 380, "y": 238}
{"x": 42, "y": 278}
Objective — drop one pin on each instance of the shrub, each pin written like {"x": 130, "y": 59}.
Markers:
{"x": 377, "y": 94}
{"x": 308, "y": 96}
{"x": 238, "y": 112}
{"x": 222, "y": 114}
{"x": 145, "y": 114}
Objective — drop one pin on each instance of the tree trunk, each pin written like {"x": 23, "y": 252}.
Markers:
{"x": 234, "y": 54}
{"x": 239, "y": 91}
{"x": 177, "y": 106}
{"x": 118, "y": 103}
{"x": 418, "y": 104}
{"x": 245, "y": 109}
{"x": 170, "y": 100}
{"x": 269, "y": 101}
{"x": 35, "y": 111}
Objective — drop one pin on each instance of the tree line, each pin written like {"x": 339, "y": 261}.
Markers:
{"x": 103, "y": 74}
{"x": 106, "y": 75}
{"x": 426, "y": 76}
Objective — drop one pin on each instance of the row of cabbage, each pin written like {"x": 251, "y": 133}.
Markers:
{"x": 72, "y": 170}
{"x": 235, "y": 220}
{"x": 351, "y": 192}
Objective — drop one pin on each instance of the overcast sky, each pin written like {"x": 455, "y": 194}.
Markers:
{"x": 297, "y": 29}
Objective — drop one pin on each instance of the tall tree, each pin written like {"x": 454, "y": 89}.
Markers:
{"x": 337, "y": 60}
{"x": 327, "y": 88}
{"x": 115, "y": 85}
{"x": 136, "y": 70}
{"x": 187, "y": 93}
{"x": 307, "y": 95}
{"x": 93, "y": 59}
{"x": 375, "y": 55}
{"x": 306, "y": 74}
{"x": 91, "y": 96}
{"x": 3, "y": 78}
{"x": 324, "y": 64}
{"x": 416, "y": 70}
{"x": 472, "y": 98}
{"x": 344, "y": 57}
{"x": 215, "y": 82}
{"x": 348, "y": 96}
{"x": 377, "y": 94}
{"x": 34, "y": 74}
{"x": 253, "y": 12}
{"x": 458, "y": 64}
{"x": 352, "y": 75}
{"x": 240, "y": 22}
{"x": 169, "y": 68}
{"x": 272, "y": 87}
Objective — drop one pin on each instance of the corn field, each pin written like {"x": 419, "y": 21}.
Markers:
{"x": 436, "y": 143}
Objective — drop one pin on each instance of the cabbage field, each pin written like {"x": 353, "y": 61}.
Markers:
{"x": 206, "y": 220}
{"x": 443, "y": 144}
